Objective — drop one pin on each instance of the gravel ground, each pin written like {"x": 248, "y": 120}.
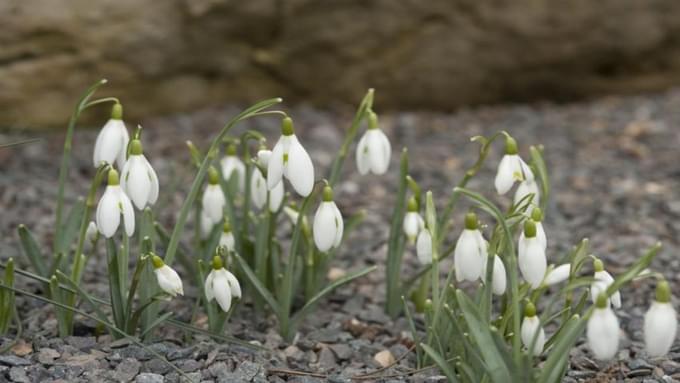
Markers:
{"x": 615, "y": 176}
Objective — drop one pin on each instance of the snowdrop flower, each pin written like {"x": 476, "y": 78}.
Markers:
{"x": 168, "y": 279}
{"x": 258, "y": 192}
{"x": 602, "y": 281}
{"x": 232, "y": 165}
{"x": 531, "y": 325}
{"x": 558, "y": 274}
{"x": 206, "y": 225}
{"x": 531, "y": 256}
{"x": 112, "y": 205}
{"x": 424, "y": 247}
{"x": 537, "y": 217}
{"x": 374, "y": 149}
{"x": 289, "y": 159}
{"x": 498, "y": 276}
{"x": 511, "y": 168}
{"x": 139, "y": 179}
{"x": 328, "y": 224}
{"x": 227, "y": 237}
{"x": 603, "y": 330}
{"x": 213, "y": 198}
{"x": 221, "y": 285}
{"x": 112, "y": 141}
{"x": 524, "y": 189}
{"x": 470, "y": 252}
{"x": 413, "y": 222}
{"x": 92, "y": 234}
{"x": 661, "y": 322}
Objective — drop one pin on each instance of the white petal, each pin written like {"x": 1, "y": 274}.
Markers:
{"x": 169, "y": 281}
{"x": 660, "y": 327}
{"x": 558, "y": 274}
{"x": 128, "y": 213}
{"x": 227, "y": 240}
{"x": 377, "y": 152}
{"x": 206, "y": 225}
{"x": 524, "y": 189}
{"x": 339, "y": 226}
{"x": 300, "y": 169}
{"x": 258, "y": 188}
{"x": 125, "y": 139}
{"x": 233, "y": 166}
{"x": 602, "y": 281}
{"x": 111, "y": 141}
{"x": 362, "y": 158}
{"x": 540, "y": 234}
{"x": 499, "y": 276}
{"x": 221, "y": 290}
{"x": 504, "y": 178}
{"x": 412, "y": 225}
{"x": 468, "y": 256}
{"x": 276, "y": 197}
{"x": 208, "y": 286}
{"x": 424, "y": 247}
{"x": 108, "y": 213}
{"x": 531, "y": 325}
{"x": 234, "y": 285}
{"x": 386, "y": 150}
{"x": 324, "y": 228}
{"x": 275, "y": 165}
{"x": 533, "y": 263}
{"x": 213, "y": 203}
{"x": 603, "y": 333}
{"x": 135, "y": 181}
{"x": 263, "y": 157}
{"x": 527, "y": 174}
{"x": 153, "y": 178}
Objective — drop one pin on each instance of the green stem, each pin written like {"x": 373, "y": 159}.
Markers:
{"x": 395, "y": 247}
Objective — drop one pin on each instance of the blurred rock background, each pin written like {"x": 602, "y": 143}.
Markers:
{"x": 183, "y": 55}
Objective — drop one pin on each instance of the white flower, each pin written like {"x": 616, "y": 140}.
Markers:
{"x": 498, "y": 277}
{"x": 112, "y": 141}
{"x": 231, "y": 164}
{"x": 661, "y": 323}
{"x": 524, "y": 189}
{"x": 602, "y": 281}
{"x": 374, "y": 149}
{"x": 258, "y": 192}
{"x": 168, "y": 279}
{"x": 413, "y": 222}
{"x": 139, "y": 179}
{"x": 92, "y": 233}
{"x": 531, "y": 325}
{"x": 603, "y": 330}
{"x": 206, "y": 225}
{"x": 263, "y": 156}
{"x": 213, "y": 198}
{"x": 424, "y": 247}
{"x": 558, "y": 275}
{"x": 112, "y": 205}
{"x": 470, "y": 252}
{"x": 289, "y": 159}
{"x": 531, "y": 256}
{"x": 328, "y": 225}
{"x": 221, "y": 285}
{"x": 511, "y": 168}
{"x": 227, "y": 237}
{"x": 276, "y": 197}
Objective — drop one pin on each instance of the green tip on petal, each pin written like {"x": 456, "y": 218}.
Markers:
{"x": 287, "y": 126}
{"x": 213, "y": 176}
{"x": 663, "y": 292}
{"x": 217, "y": 262}
{"x": 231, "y": 150}
{"x": 530, "y": 228}
{"x": 157, "y": 262}
{"x": 372, "y": 120}
{"x": 226, "y": 227}
{"x": 412, "y": 205}
{"x": 537, "y": 214}
{"x": 471, "y": 221}
{"x": 327, "y": 194}
{"x": 117, "y": 112}
{"x": 510, "y": 146}
{"x": 136, "y": 147}
{"x": 529, "y": 310}
{"x": 598, "y": 265}
{"x": 601, "y": 302}
{"x": 113, "y": 177}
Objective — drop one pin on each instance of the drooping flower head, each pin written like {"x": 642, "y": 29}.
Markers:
{"x": 471, "y": 251}
{"x": 227, "y": 237}
{"x": 601, "y": 283}
{"x": 374, "y": 149}
{"x": 221, "y": 285}
{"x": 531, "y": 256}
{"x": 526, "y": 188}
{"x": 328, "y": 224}
{"x": 537, "y": 217}
{"x": 531, "y": 328}
{"x": 290, "y": 160}
{"x": 233, "y": 166}
{"x": 661, "y": 322}
{"x": 557, "y": 274}
{"x": 413, "y": 222}
{"x": 511, "y": 168}
{"x": 168, "y": 279}
{"x": 424, "y": 247}
{"x": 259, "y": 192}
{"x": 499, "y": 279}
{"x": 139, "y": 179}
{"x": 603, "y": 330}
{"x": 114, "y": 204}
{"x": 213, "y": 197}
{"x": 112, "y": 141}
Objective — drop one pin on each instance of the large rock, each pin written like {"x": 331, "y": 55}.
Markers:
{"x": 174, "y": 55}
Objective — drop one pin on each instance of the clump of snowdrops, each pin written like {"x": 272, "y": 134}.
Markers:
{"x": 488, "y": 320}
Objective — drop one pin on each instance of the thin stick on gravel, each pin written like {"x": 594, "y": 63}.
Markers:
{"x": 285, "y": 371}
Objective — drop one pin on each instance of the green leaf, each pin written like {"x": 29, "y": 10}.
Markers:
{"x": 441, "y": 362}
{"x": 32, "y": 251}
{"x": 71, "y": 226}
{"x": 396, "y": 241}
{"x": 539, "y": 166}
{"x": 552, "y": 370}
{"x": 259, "y": 287}
{"x": 155, "y": 323}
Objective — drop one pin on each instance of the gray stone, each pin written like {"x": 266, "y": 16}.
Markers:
{"x": 218, "y": 369}
{"x": 326, "y": 359}
{"x": 18, "y": 374}
{"x": 637, "y": 364}
{"x": 192, "y": 377}
{"x": 180, "y": 353}
{"x": 341, "y": 350}
{"x": 247, "y": 370}
{"x": 47, "y": 355}
{"x": 126, "y": 370}
{"x": 12, "y": 360}
{"x": 188, "y": 365}
{"x": 148, "y": 377}
{"x": 157, "y": 366}
{"x": 83, "y": 343}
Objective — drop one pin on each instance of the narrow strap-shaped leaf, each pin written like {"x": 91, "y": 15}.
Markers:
{"x": 539, "y": 166}
{"x": 259, "y": 287}
{"x": 395, "y": 242}
{"x": 164, "y": 317}
{"x": 32, "y": 251}
{"x": 443, "y": 365}
{"x": 71, "y": 226}
{"x": 559, "y": 354}
{"x": 117, "y": 305}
